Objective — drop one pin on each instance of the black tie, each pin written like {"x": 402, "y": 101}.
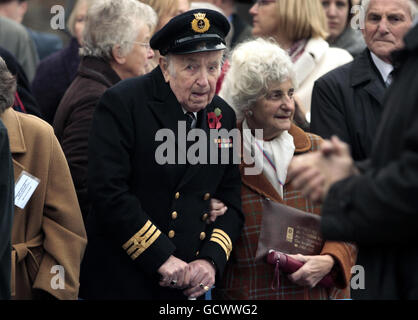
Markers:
{"x": 190, "y": 119}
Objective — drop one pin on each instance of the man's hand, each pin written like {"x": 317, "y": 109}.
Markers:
{"x": 315, "y": 268}
{"x": 202, "y": 278}
{"x": 217, "y": 208}
{"x": 175, "y": 273}
{"x": 315, "y": 172}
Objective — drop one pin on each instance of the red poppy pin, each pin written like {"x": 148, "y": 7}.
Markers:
{"x": 214, "y": 119}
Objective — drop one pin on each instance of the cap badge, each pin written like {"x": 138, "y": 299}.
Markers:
{"x": 200, "y": 24}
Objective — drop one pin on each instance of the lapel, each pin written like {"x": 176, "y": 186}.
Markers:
{"x": 365, "y": 73}
{"x": 259, "y": 183}
{"x": 164, "y": 105}
{"x": 17, "y": 143}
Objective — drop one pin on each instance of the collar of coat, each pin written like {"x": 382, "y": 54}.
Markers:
{"x": 98, "y": 70}
{"x": 365, "y": 73}
{"x": 259, "y": 183}
{"x": 14, "y": 129}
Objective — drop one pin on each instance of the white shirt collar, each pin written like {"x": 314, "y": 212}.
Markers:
{"x": 185, "y": 111}
{"x": 384, "y": 68}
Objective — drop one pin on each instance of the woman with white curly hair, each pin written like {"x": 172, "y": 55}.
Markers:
{"x": 260, "y": 86}
{"x": 115, "y": 47}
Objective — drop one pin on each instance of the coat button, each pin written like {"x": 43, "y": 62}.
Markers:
{"x": 197, "y": 253}
{"x": 171, "y": 234}
{"x": 202, "y": 236}
{"x": 174, "y": 215}
{"x": 205, "y": 217}
{"x": 206, "y": 196}
{"x": 177, "y": 195}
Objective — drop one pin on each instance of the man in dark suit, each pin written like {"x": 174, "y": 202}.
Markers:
{"x": 148, "y": 231}
{"x": 375, "y": 204}
{"x": 348, "y": 101}
{"x": 6, "y": 211}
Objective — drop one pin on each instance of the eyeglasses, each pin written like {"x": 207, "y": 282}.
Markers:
{"x": 142, "y": 44}
{"x": 261, "y": 3}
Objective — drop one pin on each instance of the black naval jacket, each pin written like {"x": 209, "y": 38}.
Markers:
{"x": 144, "y": 212}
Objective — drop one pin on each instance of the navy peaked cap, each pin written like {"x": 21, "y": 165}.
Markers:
{"x": 196, "y": 30}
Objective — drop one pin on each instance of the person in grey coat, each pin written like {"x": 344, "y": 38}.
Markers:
{"x": 343, "y": 34}
{"x": 15, "y": 38}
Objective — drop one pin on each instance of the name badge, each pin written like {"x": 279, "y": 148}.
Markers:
{"x": 25, "y": 186}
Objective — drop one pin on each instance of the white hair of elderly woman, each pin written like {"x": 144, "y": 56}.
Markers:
{"x": 7, "y": 87}
{"x": 255, "y": 66}
{"x": 110, "y": 23}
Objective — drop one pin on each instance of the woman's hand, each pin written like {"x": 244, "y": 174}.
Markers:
{"x": 217, "y": 208}
{"x": 315, "y": 268}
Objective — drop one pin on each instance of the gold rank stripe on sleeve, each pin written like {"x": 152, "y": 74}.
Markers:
{"x": 140, "y": 242}
{"x": 221, "y": 238}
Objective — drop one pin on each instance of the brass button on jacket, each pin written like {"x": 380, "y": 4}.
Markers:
{"x": 171, "y": 234}
{"x": 174, "y": 215}
{"x": 177, "y": 195}
{"x": 202, "y": 236}
{"x": 206, "y": 196}
{"x": 204, "y": 217}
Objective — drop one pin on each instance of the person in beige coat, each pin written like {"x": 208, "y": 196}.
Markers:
{"x": 48, "y": 235}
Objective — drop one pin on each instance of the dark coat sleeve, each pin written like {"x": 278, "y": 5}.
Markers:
{"x": 6, "y": 212}
{"x": 112, "y": 141}
{"x": 327, "y": 110}
{"x": 380, "y": 205}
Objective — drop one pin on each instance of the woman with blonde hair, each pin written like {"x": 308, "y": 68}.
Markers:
{"x": 299, "y": 27}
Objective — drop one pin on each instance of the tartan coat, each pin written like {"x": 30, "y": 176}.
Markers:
{"x": 245, "y": 279}
{"x": 49, "y": 231}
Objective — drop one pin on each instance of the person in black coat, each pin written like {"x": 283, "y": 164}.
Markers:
{"x": 25, "y": 101}
{"x": 6, "y": 195}
{"x": 348, "y": 101}
{"x": 375, "y": 203}
{"x": 148, "y": 231}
